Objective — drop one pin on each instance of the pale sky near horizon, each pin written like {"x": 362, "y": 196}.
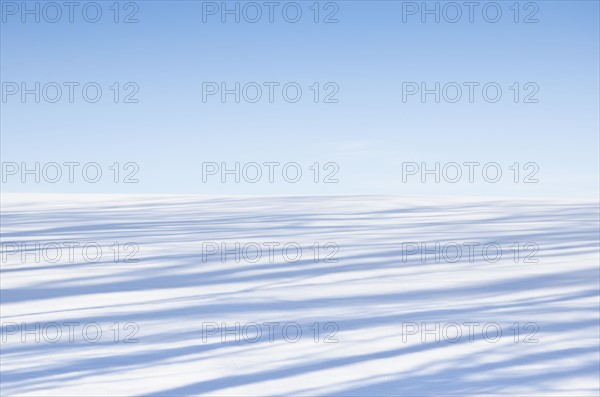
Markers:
{"x": 360, "y": 131}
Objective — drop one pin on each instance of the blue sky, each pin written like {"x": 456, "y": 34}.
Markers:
{"x": 368, "y": 54}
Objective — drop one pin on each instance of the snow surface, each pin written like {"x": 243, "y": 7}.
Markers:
{"x": 369, "y": 293}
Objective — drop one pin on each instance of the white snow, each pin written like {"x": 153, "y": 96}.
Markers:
{"x": 369, "y": 293}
